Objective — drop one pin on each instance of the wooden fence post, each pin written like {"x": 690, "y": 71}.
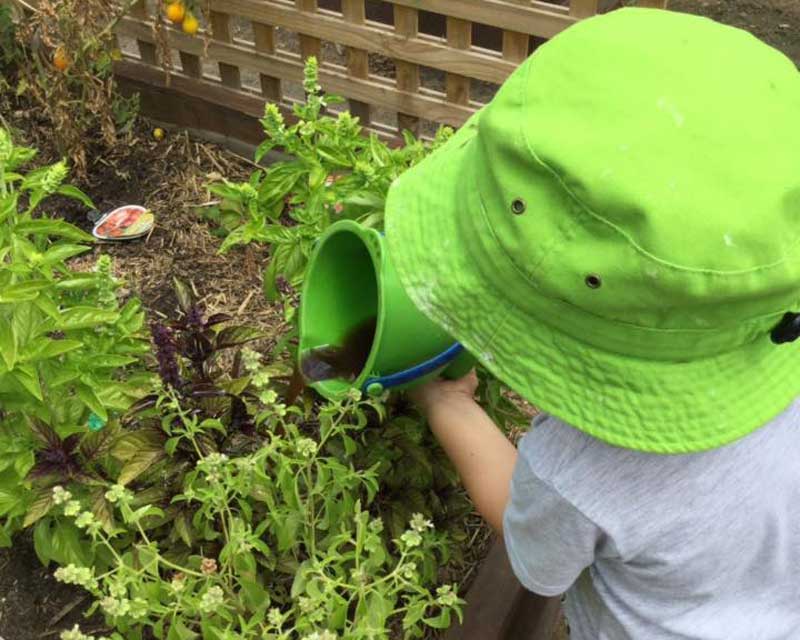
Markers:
{"x": 459, "y": 36}
{"x": 406, "y": 24}
{"x": 354, "y": 11}
{"x": 265, "y": 43}
{"x": 309, "y": 46}
{"x": 147, "y": 50}
{"x": 221, "y": 30}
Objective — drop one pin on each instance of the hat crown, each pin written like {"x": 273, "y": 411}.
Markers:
{"x": 658, "y": 159}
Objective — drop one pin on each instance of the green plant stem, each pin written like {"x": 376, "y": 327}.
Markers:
{"x": 175, "y": 567}
{"x": 142, "y": 533}
{"x": 107, "y": 542}
{"x": 310, "y": 511}
{"x": 343, "y": 411}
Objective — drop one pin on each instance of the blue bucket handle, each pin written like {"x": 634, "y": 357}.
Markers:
{"x": 409, "y": 375}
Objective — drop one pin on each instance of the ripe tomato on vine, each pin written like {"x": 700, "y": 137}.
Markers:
{"x": 176, "y": 12}
{"x": 183, "y": 13}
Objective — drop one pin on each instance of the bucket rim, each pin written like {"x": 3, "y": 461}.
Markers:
{"x": 372, "y": 240}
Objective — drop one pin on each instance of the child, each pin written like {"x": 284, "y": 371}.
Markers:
{"x": 617, "y": 237}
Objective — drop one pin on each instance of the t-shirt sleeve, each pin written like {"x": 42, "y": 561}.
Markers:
{"x": 548, "y": 540}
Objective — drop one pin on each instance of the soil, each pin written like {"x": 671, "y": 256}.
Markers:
{"x": 169, "y": 177}
{"x": 777, "y": 22}
{"x": 33, "y": 605}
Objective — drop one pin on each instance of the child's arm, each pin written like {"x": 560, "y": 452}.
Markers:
{"x": 482, "y": 455}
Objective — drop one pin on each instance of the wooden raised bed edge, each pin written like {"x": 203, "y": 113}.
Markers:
{"x": 500, "y": 608}
{"x": 204, "y": 108}
{"x": 165, "y": 105}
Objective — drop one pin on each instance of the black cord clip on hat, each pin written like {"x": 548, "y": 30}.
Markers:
{"x": 787, "y": 330}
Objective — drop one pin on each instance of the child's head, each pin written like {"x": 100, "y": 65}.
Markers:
{"x": 618, "y": 232}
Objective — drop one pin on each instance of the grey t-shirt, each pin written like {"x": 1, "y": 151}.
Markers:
{"x": 704, "y": 546}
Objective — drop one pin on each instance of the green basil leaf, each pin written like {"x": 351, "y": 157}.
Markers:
{"x": 23, "y": 291}
{"x": 44, "y": 348}
{"x": 76, "y": 194}
{"x": 28, "y": 377}
{"x": 85, "y": 318}
{"x": 90, "y": 399}
{"x": 48, "y": 227}
{"x": 8, "y": 343}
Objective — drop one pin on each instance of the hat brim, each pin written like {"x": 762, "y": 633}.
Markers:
{"x": 649, "y": 405}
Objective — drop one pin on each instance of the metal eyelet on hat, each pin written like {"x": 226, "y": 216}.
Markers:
{"x": 518, "y": 206}
{"x": 593, "y": 281}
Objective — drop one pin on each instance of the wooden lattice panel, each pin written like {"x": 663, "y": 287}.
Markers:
{"x": 401, "y": 64}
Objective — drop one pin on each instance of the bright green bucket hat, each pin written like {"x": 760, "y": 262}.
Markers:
{"x": 617, "y": 233}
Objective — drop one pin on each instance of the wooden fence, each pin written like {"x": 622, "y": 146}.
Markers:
{"x": 401, "y": 64}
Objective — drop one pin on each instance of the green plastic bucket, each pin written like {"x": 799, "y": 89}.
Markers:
{"x": 349, "y": 281}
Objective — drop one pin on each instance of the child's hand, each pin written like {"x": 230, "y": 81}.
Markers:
{"x": 438, "y": 392}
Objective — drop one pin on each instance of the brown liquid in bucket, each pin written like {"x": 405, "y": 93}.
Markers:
{"x": 346, "y": 361}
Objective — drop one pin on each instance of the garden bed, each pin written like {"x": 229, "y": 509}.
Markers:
{"x": 170, "y": 177}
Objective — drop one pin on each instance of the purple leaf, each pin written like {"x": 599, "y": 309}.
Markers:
{"x": 218, "y": 318}
{"x": 235, "y": 336}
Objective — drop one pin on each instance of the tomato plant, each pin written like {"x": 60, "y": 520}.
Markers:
{"x": 62, "y": 62}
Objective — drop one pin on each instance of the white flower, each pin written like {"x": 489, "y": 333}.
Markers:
{"x": 211, "y": 466}
{"x": 419, "y": 523}
{"x": 178, "y": 582}
{"x": 306, "y": 447}
{"x": 280, "y": 410}
{"x": 139, "y": 608}
{"x": 115, "y": 607}
{"x": 215, "y": 459}
{"x": 267, "y": 397}
{"x": 250, "y": 359}
{"x": 446, "y": 596}
{"x": 376, "y": 525}
{"x": 275, "y": 618}
{"x": 60, "y": 495}
{"x": 411, "y": 539}
{"x": 212, "y": 599}
{"x": 322, "y": 635}
{"x": 72, "y": 508}
{"x": 118, "y": 493}
{"x": 246, "y": 464}
{"x": 260, "y": 379}
{"x": 306, "y": 604}
{"x": 409, "y": 571}
{"x": 76, "y": 634}
{"x": 85, "y": 519}
{"x": 117, "y": 589}
{"x": 71, "y": 574}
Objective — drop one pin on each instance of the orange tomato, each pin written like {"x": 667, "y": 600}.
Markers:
{"x": 61, "y": 60}
{"x": 190, "y": 24}
{"x": 176, "y": 12}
